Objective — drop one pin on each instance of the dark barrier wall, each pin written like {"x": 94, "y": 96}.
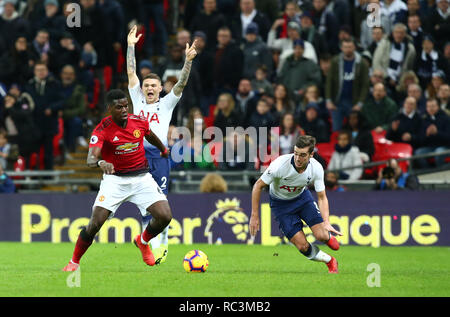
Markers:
{"x": 365, "y": 218}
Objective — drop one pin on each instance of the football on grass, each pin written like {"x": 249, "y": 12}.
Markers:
{"x": 195, "y": 261}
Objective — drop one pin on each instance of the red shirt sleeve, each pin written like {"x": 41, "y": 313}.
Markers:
{"x": 96, "y": 139}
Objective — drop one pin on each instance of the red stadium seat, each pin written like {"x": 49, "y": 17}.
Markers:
{"x": 378, "y": 137}
{"x": 334, "y": 137}
{"x": 107, "y": 76}
{"x": 388, "y": 150}
{"x": 325, "y": 150}
{"x": 216, "y": 149}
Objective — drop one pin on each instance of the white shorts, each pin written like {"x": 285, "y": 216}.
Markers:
{"x": 141, "y": 190}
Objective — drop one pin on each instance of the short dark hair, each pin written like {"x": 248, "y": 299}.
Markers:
{"x": 114, "y": 94}
{"x": 306, "y": 141}
{"x": 152, "y": 76}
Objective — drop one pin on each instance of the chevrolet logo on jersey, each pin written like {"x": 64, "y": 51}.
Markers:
{"x": 127, "y": 147}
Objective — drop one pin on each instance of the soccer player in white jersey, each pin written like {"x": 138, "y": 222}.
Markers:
{"x": 158, "y": 111}
{"x": 291, "y": 202}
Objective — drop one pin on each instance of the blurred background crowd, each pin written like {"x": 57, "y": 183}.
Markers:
{"x": 348, "y": 72}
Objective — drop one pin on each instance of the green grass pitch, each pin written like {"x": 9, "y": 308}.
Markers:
{"x": 235, "y": 270}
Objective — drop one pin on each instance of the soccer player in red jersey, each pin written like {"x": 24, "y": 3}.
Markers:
{"x": 117, "y": 147}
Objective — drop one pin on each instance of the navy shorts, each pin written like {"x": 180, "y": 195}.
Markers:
{"x": 290, "y": 213}
{"x": 160, "y": 170}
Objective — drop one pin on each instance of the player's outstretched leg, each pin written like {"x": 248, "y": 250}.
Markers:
{"x": 161, "y": 217}
{"x": 323, "y": 235}
{"x": 313, "y": 252}
{"x": 86, "y": 236}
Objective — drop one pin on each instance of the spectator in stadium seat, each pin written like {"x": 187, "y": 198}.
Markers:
{"x": 41, "y": 47}
{"x": 246, "y": 99}
{"x": 226, "y": 114}
{"x": 93, "y": 30}
{"x": 401, "y": 91}
{"x": 393, "y": 178}
{"x": 289, "y": 131}
{"x": 347, "y": 85}
{"x": 415, "y": 91}
{"x": 12, "y": 24}
{"x": 228, "y": 62}
{"x": 197, "y": 155}
{"x": 437, "y": 79}
{"x": 67, "y": 52}
{"x": 415, "y": 30}
{"x": 310, "y": 34}
{"x": 19, "y": 107}
{"x": 262, "y": 117}
{"x": 51, "y": 21}
{"x": 394, "y": 55}
{"x": 255, "y": 52}
{"x": 375, "y": 38}
{"x": 327, "y": 24}
{"x": 46, "y": 93}
{"x": 406, "y": 125}
{"x": 291, "y": 13}
{"x": 434, "y": 134}
{"x": 203, "y": 64}
{"x": 247, "y": 14}
{"x": 260, "y": 83}
{"x": 332, "y": 182}
{"x": 155, "y": 43}
{"x": 6, "y": 184}
{"x": 439, "y": 23}
{"x": 313, "y": 125}
{"x": 346, "y": 155}
{"x": 208, "y": 21}
{"x": 379, "y": 109}
{"x": 286, "y": 45}
{"x": 368, "y": 34}
{"x": 5, "y": 148}
{"x": 16, "y": 64}
{"x": 283, "y": 102}
{"x": 397, "y": 10}
{"x": 298, "y": 72}
{"x": 236, "y": 153}
{"x": 361, "y": 135}
{"x": 444, "y": 98}
{"x": 213, "y": 183}
{"x": 74, "y": 109}
{"x": 429, "y": 61}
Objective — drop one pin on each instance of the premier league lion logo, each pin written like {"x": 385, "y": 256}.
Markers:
{"x": 228, "y": 223}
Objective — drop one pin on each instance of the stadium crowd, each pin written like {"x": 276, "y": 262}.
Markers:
{"x": 328, "y": 68}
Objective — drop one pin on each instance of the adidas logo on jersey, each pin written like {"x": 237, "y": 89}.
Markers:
{"x": 115, "y": 139}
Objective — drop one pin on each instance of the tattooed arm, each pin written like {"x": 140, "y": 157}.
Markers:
{"x": 182, "y": 81}
{"x": 131, "y": 59}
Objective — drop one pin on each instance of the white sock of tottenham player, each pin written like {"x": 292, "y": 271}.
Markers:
{"x": 315, "y": 254}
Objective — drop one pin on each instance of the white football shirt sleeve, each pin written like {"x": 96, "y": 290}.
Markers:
{"x": 171, "y": 100}
{"x": 319, "y": 184}
{"x": 136, "y": 96}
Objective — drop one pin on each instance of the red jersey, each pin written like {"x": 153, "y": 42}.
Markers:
{"x": 123, "y": 147}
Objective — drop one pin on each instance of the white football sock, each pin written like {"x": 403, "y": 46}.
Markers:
{"x": 164, "y": 235}
{"x": 318, "y": 255}
{"x": 156, "y": 242}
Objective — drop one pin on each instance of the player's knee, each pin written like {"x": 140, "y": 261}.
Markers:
{"x": 303, "y": 247}
{"x": 166, "y": 217}
{"x": 322, "y": 235}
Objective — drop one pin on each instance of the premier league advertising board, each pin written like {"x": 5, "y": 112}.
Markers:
{"x": 365, "y": 218}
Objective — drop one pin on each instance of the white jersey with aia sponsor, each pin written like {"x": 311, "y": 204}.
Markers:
{"x": 286, "y": 183}
{"x": 158, "y": 114}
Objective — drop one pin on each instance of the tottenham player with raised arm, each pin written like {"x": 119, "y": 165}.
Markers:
{"x": 291, "y": 202}
{"x": 117, "y": 148}
{"x": 158, "y": 111}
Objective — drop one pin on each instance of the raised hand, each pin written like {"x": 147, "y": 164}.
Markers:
{"x": 132, "y": 39}
{"x": 190, "y": 52}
